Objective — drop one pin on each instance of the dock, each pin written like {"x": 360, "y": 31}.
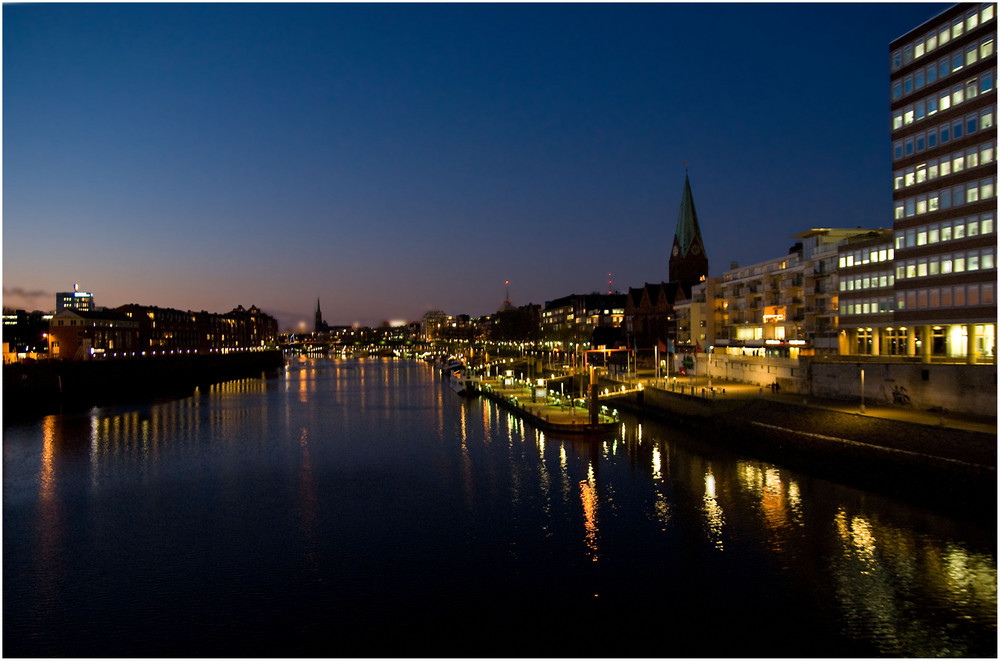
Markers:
{"x": 547, "y": 411}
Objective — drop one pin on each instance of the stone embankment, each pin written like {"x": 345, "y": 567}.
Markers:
{"x": 55, "y": 386}
{"x": 939, "y": 465}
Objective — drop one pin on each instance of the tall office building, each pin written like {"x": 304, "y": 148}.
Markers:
{"x": 74, "y": 300}
{"x": 943, "y": 114}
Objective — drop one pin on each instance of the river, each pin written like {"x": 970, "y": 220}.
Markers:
{"x": 361, "y": 508}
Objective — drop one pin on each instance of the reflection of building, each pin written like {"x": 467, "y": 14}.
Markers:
{"x": 943, "y": 109}
{"x": 74, "y": 300}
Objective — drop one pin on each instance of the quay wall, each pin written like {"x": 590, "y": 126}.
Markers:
{"x": 970, "y": 389}
{"x": 937, "y": 467}
{"x": 959, "y": 388}
{"x": 51, "y": 386}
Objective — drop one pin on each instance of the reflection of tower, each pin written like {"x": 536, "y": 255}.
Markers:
{"x": 688, "y": 262}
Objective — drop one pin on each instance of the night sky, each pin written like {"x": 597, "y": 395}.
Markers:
{"x": 390, "y": 159}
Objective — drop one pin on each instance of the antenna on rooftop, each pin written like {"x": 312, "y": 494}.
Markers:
{"x": 609, "y": 283}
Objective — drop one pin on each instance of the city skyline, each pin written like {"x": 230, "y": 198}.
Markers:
{"x": 392, "y": 159}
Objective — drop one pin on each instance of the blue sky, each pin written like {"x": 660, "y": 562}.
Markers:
{"x": 389, "y": 159}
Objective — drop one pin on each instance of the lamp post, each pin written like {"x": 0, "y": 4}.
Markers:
{"x": 862, "y": 389}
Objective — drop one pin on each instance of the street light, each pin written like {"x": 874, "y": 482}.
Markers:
{"x": 862, "y": 389}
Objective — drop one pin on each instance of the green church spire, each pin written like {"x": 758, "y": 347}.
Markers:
{"x": 687, "y": 221}
{"x": 688, "y": 262}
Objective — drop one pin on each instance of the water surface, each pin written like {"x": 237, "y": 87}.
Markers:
{"x": 360, "y": 508}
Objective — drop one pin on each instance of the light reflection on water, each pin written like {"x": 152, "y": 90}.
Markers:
{"x": 368, "y": 487}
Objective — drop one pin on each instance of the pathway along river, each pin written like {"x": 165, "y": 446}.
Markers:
{"x": 361, "y": 508}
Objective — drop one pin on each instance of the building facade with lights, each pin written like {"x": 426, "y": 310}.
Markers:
{"x": 943, "y": 127}
{"x": 74, "y": 300}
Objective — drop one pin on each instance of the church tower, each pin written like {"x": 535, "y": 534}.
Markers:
{"x": 321, "y": 326}
{"x": 688, "y": 262}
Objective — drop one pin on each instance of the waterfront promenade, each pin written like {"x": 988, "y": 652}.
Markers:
{"x": 731, "y": 390}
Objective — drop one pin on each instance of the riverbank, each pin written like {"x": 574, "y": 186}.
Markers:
{"x": 943, "y": 467}
{"x": 58, "y": 386}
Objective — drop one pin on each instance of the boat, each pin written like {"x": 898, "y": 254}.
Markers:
{"x": 464, "y": 383}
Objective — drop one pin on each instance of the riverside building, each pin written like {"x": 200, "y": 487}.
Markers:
{"x": 943, "y": 126}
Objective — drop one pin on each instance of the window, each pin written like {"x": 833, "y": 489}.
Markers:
{"x": 945, "y": 136}
{"x": 986, "y": 153}
{"x": 945, "y": 102}
{"x": 959, "y": 229}
{"x": 971, "y": 54}
{"x": 931, "y": 74}
{"x": 945, "y": 264}
{"x": 986, "y": 118}
{"x": 956, "y": 31}
{"x": 932, "y": 106}
{"x": 933, "y": 235}
{"x": 971, "y": 89}
{"x": 986, "y": 47}
{"x": 907, "y": 84}
{"x": 956, "y": 61}
{"x": 921, "y": 139}
{"x": 897, "y": 90}
{"x": 987, "y": 224}
{"x": 918, "y": 79}
{"x": 920, "y": 109}
{"x": 932, "y": 140}
{"x": 972, "y": 262}
{"x": 986, "y": 82}
{"x": 972, "y": 226}
{"x": 987, "y": 259}
{"x": 972, "y": 194}
{"x": 987, "y": 291}
{"x": 971, "y": 158}
{"x": 957, "y": 96}
{"x": 944, "y": 36}
{"x": 918, "y": 48}
{"x": 986, "y": 189}
{"x": 946, "y": 231}
{"x": 987, "y": 14}
{"x": 922, "y": 237}
{"x": 973, "y": 295}
{"x": 959, "y": 263}
{"x": 971, "y": 123}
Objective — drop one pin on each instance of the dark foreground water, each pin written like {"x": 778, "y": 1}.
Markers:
{"x": 360, "y": 508}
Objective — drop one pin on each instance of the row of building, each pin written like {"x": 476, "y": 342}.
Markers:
{"x": 78, "y": 330}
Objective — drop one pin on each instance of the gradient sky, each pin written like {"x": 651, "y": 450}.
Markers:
{"x": 390, "y": 159}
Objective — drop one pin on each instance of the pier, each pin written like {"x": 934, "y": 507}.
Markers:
{"x": 547, "y": 411}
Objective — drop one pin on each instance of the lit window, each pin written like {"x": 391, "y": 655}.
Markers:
{"x": 908, "y": 116}
{"x": 933, "y": 266}
{"x": 986, "y": 153}
{"x": 918, "y": 48}
{"x": 987, "y": 261}
{"x": 971, "y": 89}
{"x": 932, "y": 170}
{"x": 986, "y": 48}
{"x": 933, "y": 234}
{"x": 971, "y": 54}
{"x": 897, "y": 181}
{"x": 972, "y": 263}
{"x": 922, "y": 268}
{"x": 957, "y": 28}
{"x": 922, "y": 204}
{"x": 957, "y": 96}
{"x": 959, "y": 229}
{"x": 972, "y": 194}
{"x": 972, "y": 226}
{"x": 931, "y": 41}
{"x": 945, "y": 102}
{"x": 972, "y": 20}
{"x": 910, "y": 176}
{"x": 921, "y": 173}
{"x": 987, "y": 14}
{"x": 987, "y": 189}
{"x": 986, "y": 119}
{"x": 987, "y": 224}
{"x": 959, "y": 263}
{"x": 972, "y": 158}
{"x": 945, "y": 264}
{"x": 945, "y": 166}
